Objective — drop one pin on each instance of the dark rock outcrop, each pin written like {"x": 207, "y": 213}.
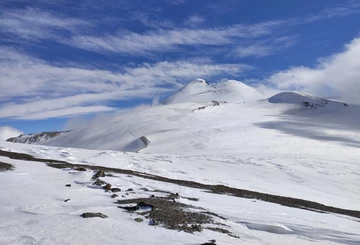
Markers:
{"x": 94, "y": 215}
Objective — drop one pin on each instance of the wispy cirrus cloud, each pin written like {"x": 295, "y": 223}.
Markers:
{"x": 42, "y": 90}
{"x": 166, "y": 40}
{"x": 351, "y": 7}
{"x": 194, "y": 20}
{"x": 32, "y": 23}
{"x": 264, "y": 47}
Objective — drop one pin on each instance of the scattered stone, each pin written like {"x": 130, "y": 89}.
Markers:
{"x": 210, "y": 242}
{"x": 197, "y": 228}
{"x": 122, "y": 196}
{"x": 98, "y": 174}
{"x": 152, "y": 196}
{"x": 152, "y": 222}
{"x": 114, "y": 195}
{"x": 172, "y": 215}
{"x": 99, "y": 182}
{"x": 144, "y": 189}
{"x": 140, "y": 206}
{"x": 66, "y": 200}
{"x": 139, "y": 220}
{"x": 115, "y": 189}
{"x": 130, "y": 189}
{"x": 94, "y": 215}
{"x": 174, "y": 196}
{"x": 127, "y": 194}
{"x": 5, "y": 166}
{"x": 80, "y": 169}
{"x": 68, "y": 185}
{"x": 107, "y": 187}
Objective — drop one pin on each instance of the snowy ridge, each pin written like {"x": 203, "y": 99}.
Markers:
{"x": 36, "y": 138}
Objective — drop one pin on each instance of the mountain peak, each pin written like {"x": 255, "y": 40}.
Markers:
{"x": 200, "y": 91}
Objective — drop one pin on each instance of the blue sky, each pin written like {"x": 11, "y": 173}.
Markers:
{"x": 61, "y": 59}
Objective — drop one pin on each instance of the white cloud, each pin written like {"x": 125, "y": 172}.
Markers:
{"x": 166, "y": 40}
{"x": 351, "y": 7}
{"x": 263, "y": 48}
{"x": 31, "y": 88}
{"x": 337, "y": 75}
{"x": 35, "y": 24}
{"x": 8, "y": 132}
{"x": 194, "y": 20}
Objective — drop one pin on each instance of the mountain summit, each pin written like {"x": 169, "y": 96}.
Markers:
{"x": 201, "y": 91}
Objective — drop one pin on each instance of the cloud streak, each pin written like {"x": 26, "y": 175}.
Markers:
{"x": 34, "y": 24}
{"x": 167, "y": 40}
{"x": 43, "y": 90}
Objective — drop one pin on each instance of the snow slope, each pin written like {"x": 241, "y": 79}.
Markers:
{"x": 201, "y": 92}
{"x": 8, "y": 132}
{"x": 33, "y": 211}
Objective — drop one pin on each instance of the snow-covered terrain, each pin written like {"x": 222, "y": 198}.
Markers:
{"x": 291, "y": 144}
{"x": 8, "y": 132}
{"x": 33, "y": 208}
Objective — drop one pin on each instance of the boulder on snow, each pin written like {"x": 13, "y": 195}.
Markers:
{"x": 99, "y": 182}
{"x": 100, "y": 173}
{"x": 107, "y": 187}
{"x": 94, "y": 215}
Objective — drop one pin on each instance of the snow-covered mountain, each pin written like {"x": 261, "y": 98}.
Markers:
{"x": 36, "y": 138}
{"x": 307, "y": 100}
{"x": 8, "y": 132}
{"x": 215, "y": 126}
{"x": 202, "y": 92}
{"x": 218, "y": 123}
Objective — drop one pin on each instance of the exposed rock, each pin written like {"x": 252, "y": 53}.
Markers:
{"x": 171, "y": 215}
{"x": 140, "y": 206}
{"x": 114, "y": 195}
{"x": 99, "y": 182}
{"x": 35, "y": 138}
{"x": 130, "y": 189}
{"x": 99, "y": 174}
{"x": 107, "y": 187}
{"x": 197, "y": 228}
{"x": 80, "y": 169}
{"x": 210, "y": 242}
{"x": 115, "y": 189}
{"x": 68, "y": 185}
{"x": 66, "y": 200}
{"x": 139, "y": 220}
{"x": 94, "y": 215}
{"x": 153, "y": 222}
{"x": 5, "y": 166}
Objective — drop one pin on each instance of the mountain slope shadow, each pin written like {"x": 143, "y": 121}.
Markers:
{"x": 307, "y": 129}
